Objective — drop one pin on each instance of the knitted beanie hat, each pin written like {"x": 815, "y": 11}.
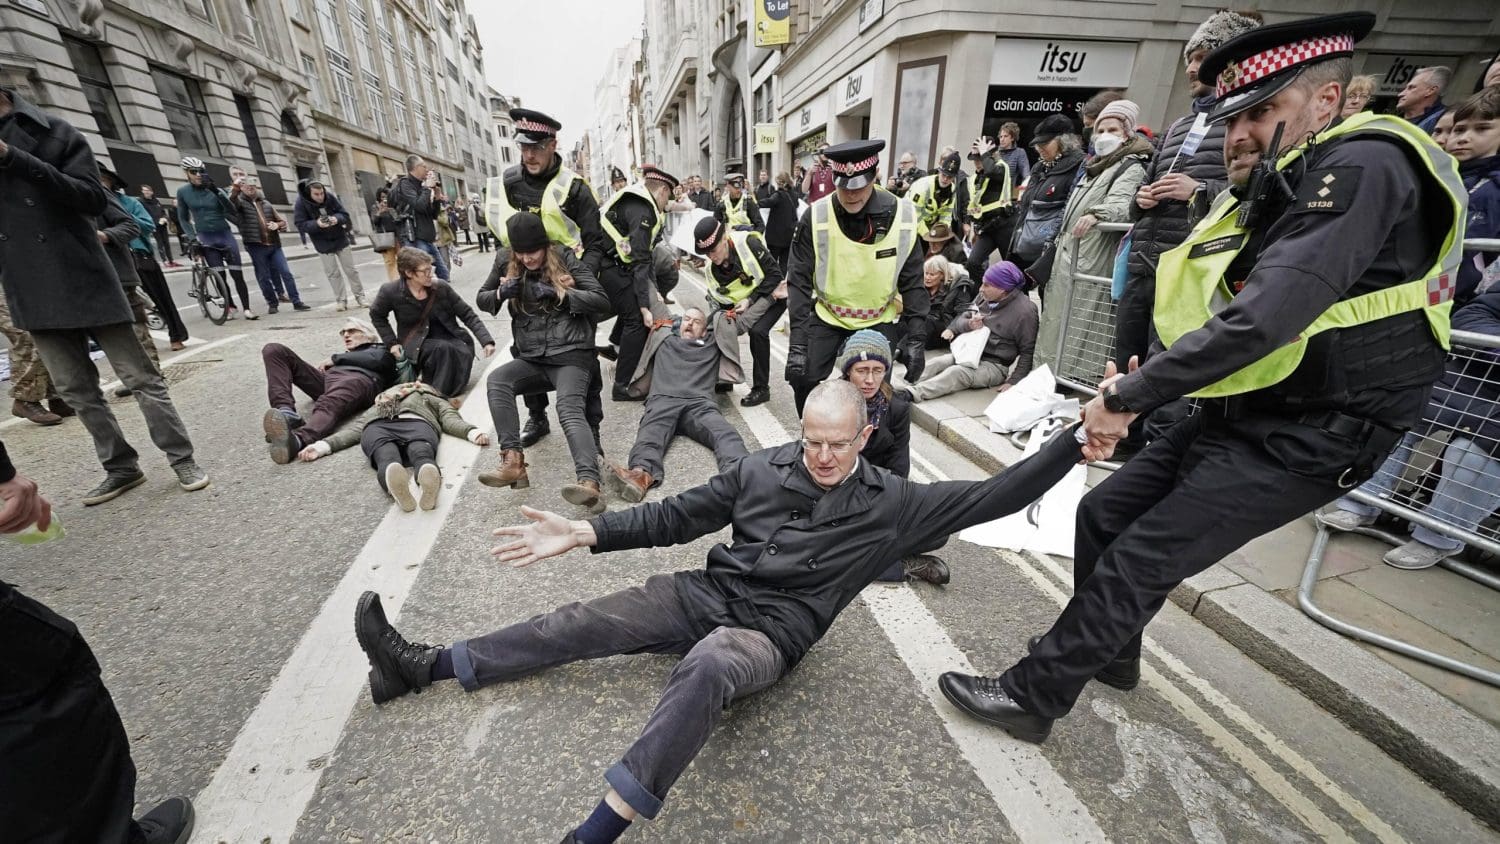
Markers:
{"x": 864, "y": 344}
{"x": 1123, "y": 110}
{"x": 526, "y": 231}
{"x": 1219, "y": 28}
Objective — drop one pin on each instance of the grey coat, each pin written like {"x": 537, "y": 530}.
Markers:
{"x": 55, "y": 272}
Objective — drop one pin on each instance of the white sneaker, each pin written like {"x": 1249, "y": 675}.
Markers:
{"x": 430, "y": 481}
{"x": 249, "y": 314}
{"x": 359, "y": 302}
{"x": 1415, "y": 556}
{"x": 342, "y": 306}
{"x": 1340, "y": 519}
{"x": 398, "y": 483}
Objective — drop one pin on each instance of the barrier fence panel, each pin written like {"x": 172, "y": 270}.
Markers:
{"x": 1087, "y": 338}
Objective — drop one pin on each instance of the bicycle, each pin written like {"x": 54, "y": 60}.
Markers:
{"x": 210, "y": 285}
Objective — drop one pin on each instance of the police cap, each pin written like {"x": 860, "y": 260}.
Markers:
{"x": 707, "y": 234}
{"x": 736, "y": 179}
{"x": 533, "y": 127}
{"x": 950, "y": 165}
{"x": 616, "y": 174}
{"x": 854, "y": 162}
{"x": 1253, "y": 67}
{"x": 651, "y": 172}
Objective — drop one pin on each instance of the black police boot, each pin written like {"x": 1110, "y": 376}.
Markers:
{"x": 926, "y": 567}
{"x": 171, "y": 822}
{"x": 758, "y": 395}
{"x": 396, "y": 665}
{"x": 1123, "y": 674}
{"x": 984, "y": 699}
{"x": 536, "y": 428}
{"x": 623, "y": 394}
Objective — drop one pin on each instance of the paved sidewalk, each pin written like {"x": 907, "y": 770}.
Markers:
{"x": 1443, "y": 726}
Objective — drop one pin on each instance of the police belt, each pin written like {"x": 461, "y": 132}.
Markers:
{"x": 1235, "y": 408}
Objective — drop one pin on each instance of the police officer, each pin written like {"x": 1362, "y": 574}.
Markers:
{"x": 1308, "y": 311}
{"x": 738, "y": 209}
{"x": 632, "y": 220}
{"x": 937, "y": 196}
{"x": 617, "y": 180}
{"x": 988, "y": 212}
{"x": 744, "y": 275}
{"x": 541, "y": 185}
{"x": 854, "y": 264}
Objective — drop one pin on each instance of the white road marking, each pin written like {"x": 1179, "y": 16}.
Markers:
{"x": 264, "y": 784}
{"x": 1036, "y": 801}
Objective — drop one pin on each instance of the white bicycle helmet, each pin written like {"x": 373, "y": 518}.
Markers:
{"x": 191, "y": 163}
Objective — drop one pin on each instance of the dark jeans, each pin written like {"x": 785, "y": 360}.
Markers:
{"x": 619, "y": 283}
{"x": 337, "y": 394}
{"x": 163, "y": 244}
{"x": 823, "y": 344}
{"x": 439, "y": 267}
{"x": 760, "y": 345}
{"x": 1173, "y": 510}
{"x": 222, "y": 249}
{"x": 65, "y": 353}
{"x": 718, "y": 667}
{"x": 484, "y": 239}
{"x": 409, "y": 442}
{"x": 155, "y": 285}
{"x": 66, "y": 773}
{"x": 521, "y": 377}
{"x": 699, "y": 420}
{"x": 270, "y": 267}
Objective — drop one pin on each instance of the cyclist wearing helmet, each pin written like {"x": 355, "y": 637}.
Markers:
{"x": 203, "y": 212}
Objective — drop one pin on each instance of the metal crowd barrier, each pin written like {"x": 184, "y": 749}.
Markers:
{"x": 1087, "y": 338}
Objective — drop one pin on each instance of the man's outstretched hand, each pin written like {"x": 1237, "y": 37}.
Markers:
{"x": 1103, "y": 427}
{"x": 546, "y": 535}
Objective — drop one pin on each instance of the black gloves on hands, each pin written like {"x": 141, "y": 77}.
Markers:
{"x": 796, "y": 362}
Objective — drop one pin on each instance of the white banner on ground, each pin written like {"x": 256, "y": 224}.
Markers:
{"x": 1045, "y": 527}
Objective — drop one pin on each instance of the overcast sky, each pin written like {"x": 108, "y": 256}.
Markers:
{"x": 521, "y": 58}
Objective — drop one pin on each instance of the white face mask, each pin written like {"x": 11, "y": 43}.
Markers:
{"x": 1106, "y": 144}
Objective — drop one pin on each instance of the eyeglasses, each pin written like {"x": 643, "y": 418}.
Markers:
{"x": 817, "y": 446}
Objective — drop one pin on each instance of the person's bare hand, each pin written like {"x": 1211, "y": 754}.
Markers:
{"x": 948, "y": 334}
{"x": 780, "y": 291}
{"x": 309, "y": 454}
{"x": 1178, "y": 186}
{"x": 103, "y": 238}
{"x": 489, "y": 349}
{"x": 397, "y": 352}
{"x": 24, "y": 506}
{"x": 986, "y": 146}
{"x": 545, "y": 535}
{"x": 482, "y": 440}
{"x": 325, "y": 365}
{"x": 976, "y": 323}
{"x": 646, "y": 317}
{"x": 1145, "y": 198}
{"x": 1103, "y": 427}
{"x": 1003, "y": 387}
{"x": 1084, "y": 225}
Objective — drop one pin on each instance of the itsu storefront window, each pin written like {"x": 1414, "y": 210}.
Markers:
{"x": 1031, "y": 78}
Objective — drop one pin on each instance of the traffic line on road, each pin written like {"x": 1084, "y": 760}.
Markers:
{"x": 262, "y": 787}
{"x": 1035, "y": 799}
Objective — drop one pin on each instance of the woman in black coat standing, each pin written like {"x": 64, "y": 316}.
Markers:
{"x": 428, "y": 313}
{"x": 781, "y": 219}
{"x": 864, "y": 362}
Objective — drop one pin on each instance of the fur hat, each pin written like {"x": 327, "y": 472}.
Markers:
{"x": 1219, "y": 28}
{"x": 864, "y": 344}
{"x": 1123, "y": 110}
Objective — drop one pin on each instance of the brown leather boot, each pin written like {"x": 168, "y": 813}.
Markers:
{"x": 511, "y": 472}
{"x": 584, "y": 493}
{"x": 33, "y": 411}
{"x": 631, "y": 484}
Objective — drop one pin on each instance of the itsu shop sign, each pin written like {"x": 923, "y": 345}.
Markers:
{"x": 1031, "y": 78}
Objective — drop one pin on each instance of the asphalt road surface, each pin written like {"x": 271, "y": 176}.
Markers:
{"x": 223, "y": 622}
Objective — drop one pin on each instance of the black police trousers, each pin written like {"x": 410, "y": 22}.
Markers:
{"x": 619, "y": 282}
{"x": 823, "y": 344}
{"x": 1188, "y": 499}
{"x": 65, "y": 769}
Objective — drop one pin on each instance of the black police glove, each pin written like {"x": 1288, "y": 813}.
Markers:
{"x": 796, "y": 362}
{"x": 542, "y": 291}
{"x": 916, "y": 360}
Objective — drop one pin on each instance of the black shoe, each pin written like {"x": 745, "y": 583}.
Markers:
{"x": 171, "y": 822}
{"x": 272, "y": 309}
{"x": 624, "y": 394}
{"x": 608, "y": 352}
{"x": 536, "y": 428}
{"x": 723, "y": 387}
{"x": 1123, "y": 674}
{"x": 925, "y": 567}
{"x": 758, "y": 395}
{"x": 984, "y": 699}
{"x": 113, "y": 487}
{"x": 396, "y": 665}
{"x": 278, "y": 425}
{"x": 300, "y": 306}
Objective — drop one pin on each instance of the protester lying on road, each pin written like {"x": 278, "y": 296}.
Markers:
{"x": 341, "y": 388}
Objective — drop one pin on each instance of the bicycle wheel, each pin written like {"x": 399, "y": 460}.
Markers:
{"x": 155, "y": 322}
{"x": 199, "y": 289}
{"x": 216, "y": 297}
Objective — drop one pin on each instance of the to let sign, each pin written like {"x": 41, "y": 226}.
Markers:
{"x": 773, "y": 20}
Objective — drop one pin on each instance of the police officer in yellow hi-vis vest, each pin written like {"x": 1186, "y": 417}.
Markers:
{"x": 1309, "y": 313}
{"x": 937, "y": 196}
{"x": 989, "y": 209}
{"x": 632, "y": 220}
{"x": 541, "y": 185}
{"x": 742, "y": 276}
{"x": 738, "y": 209}
{"x": 855, "y": 263}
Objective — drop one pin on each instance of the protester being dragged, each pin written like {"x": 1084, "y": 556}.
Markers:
{"x": 680, "y": 368}
{"x": 553, "y": 300}
{"x": 1039, "y": 211}
{"x": 400, "y": 437}
{"x": 1110, "y": 180}
{"x": 430, "y": 342}
{"x": 864, "y": 361}
{"x": 1009, "y": 317}
{"x": 341, "y": 388}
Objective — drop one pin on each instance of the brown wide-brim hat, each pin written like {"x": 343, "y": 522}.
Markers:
{"x": 938, "y": 233}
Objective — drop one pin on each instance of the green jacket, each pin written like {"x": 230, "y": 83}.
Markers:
{"x": 434, "y": 410}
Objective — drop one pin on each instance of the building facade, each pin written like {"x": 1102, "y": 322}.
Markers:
{"x": 615, "y": 130}
{"x": 506, "y": 153}
{"x": 151, "y": 82}
{"x": 388, "y": 78}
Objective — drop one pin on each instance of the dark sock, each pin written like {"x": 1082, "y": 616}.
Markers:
{"x": 443, "y": 668}
{"x": 602, "y": 827}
